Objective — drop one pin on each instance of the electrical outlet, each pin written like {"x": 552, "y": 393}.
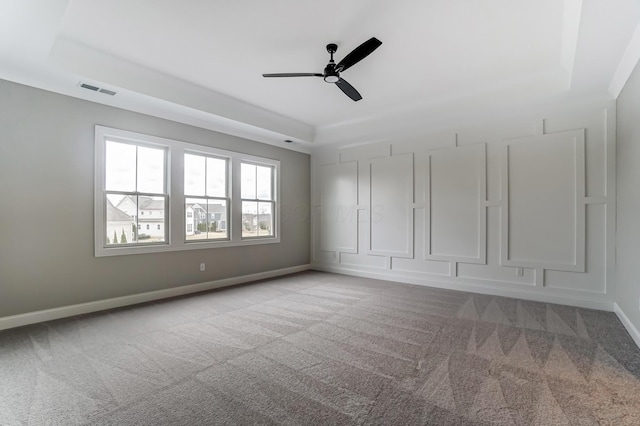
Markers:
{"x": 202, "y": 266}
{"x": 519, "y": 272}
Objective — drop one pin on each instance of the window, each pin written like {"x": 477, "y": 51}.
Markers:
{"x": 218, "y": 198}
{"x": 258, "y": 205}
{"x": 205, "y": 189}
{"x": 134, "y": 178}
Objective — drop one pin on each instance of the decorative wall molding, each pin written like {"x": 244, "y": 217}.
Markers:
{"x": 391, "y": 206}
{"x": 339, "y": 207}
{"x": 523, "y": 208}
{"x": 538, "y": 185}
{"x": 584, "y": 300}
{"x": 456, "y": 192}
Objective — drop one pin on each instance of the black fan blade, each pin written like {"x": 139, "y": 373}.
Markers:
{"x": 348, "y": 89}
{"x": 358, "y": 54}
{"x": 294, "y": 74}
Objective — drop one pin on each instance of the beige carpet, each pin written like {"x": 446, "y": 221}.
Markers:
{"x": 318, "y": 348}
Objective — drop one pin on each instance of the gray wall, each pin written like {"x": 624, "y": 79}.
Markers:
{"x": 46, "y": 210}
{"x": 628, "y": 199}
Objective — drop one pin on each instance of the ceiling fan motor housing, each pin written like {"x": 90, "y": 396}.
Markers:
{"x": 330, "y": 73}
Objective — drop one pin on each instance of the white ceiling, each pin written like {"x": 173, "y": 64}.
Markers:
{"x": 200, "y": 61}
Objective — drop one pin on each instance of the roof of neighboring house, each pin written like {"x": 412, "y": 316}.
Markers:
{"x": 125, "y": 199}
{"x": 114, "y": 214}
{"x": 151, "y": 204}
{"x": 195, "y": 206}
{"x": 146, "y": 202}
{"x": 213, "y": 208}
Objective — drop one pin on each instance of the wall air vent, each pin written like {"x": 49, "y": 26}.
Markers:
{"x": 96, "y": 89}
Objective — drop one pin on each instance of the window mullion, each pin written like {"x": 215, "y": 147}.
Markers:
{"x": 135, "y": 188}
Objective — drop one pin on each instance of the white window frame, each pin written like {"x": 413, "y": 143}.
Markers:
{"x": 226, "y": 199}
{"x": 271, "y": 201}
{"x": 175, "y": 220}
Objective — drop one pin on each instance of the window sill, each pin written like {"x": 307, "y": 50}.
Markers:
{"x": 184, "y": 246}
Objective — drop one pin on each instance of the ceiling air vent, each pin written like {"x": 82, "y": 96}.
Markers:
{"x": 90, "y": 87}
{"x": 107, "y": 92}
{"x": 96, "y": 89}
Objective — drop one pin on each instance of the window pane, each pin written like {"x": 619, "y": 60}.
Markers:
{"x": 249, "y": 218}
{"x": 265, "y": 219}
{"x": 264, "y": 179}
{"x": 194, "y": 174}
{"x": 205, "y": 219}
{"x": 151, "y": 170}
{"x": 120, "y": 167}
{"x": 248, "y": 186}
{"x": 216, "y": 219}
{"x": 120, "y": 226}
{"x": 152, "y": 216}
{"x": 195, "y": 219}
{"x": 216, "y": 177}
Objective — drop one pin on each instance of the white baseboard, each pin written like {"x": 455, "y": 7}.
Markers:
{"x": 483, "y": 287}
{"x": 118, "y": 302}
{"x": 633, "y": 331}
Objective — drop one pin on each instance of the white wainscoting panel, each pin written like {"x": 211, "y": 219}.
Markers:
{"x": 456, "y": 215}
{"x": 522, "y": 206}
{"x": 391, "y": 208}
{"x": 493, "y": 271}
{"x": 378, "y": 262}
{"x": 596, "y": 257}
{"x": 419, "y": 266}
{"x": 543, "y": 210}
{"x": 338, "y": 208}
{"x": 595, "y": 151}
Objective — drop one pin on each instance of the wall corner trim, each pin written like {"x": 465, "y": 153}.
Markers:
{"x": 628, "y": 62}
{"x": 631, "y": 329}
{"x": 117, "y": 302}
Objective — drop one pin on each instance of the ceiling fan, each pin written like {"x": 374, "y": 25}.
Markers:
{"x": 332, "y": 71}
